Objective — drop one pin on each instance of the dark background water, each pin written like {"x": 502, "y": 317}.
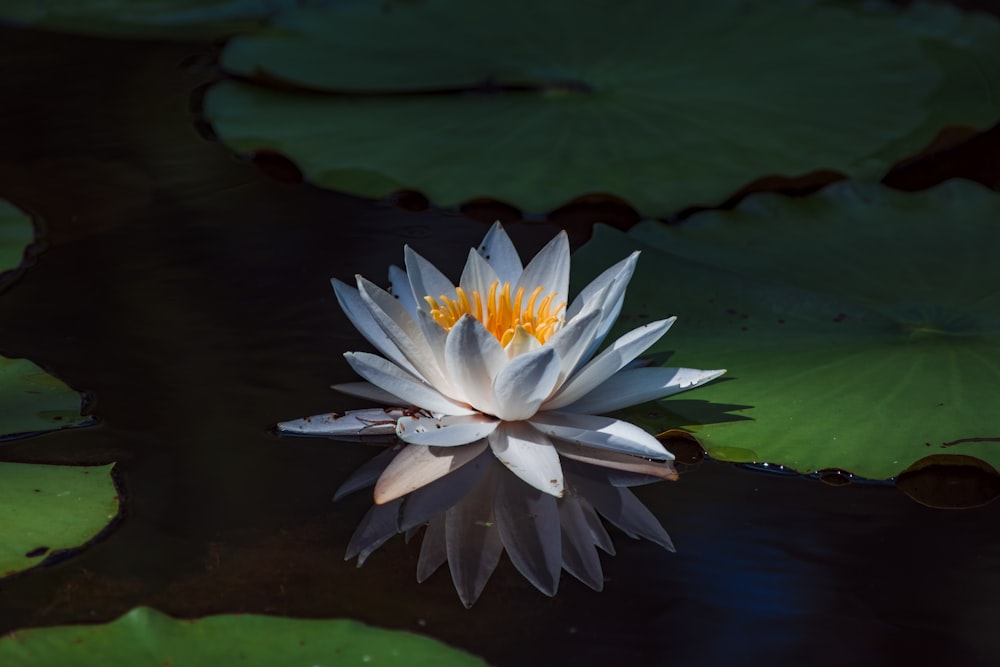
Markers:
{"x": 188, "y": 293}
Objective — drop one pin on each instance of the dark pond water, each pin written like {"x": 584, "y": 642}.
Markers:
{"x": 188, "y": 293}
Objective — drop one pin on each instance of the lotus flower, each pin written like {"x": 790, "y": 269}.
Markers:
{"x": 501, "y": 362}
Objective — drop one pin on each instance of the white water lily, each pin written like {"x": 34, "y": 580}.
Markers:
{"x": 500, "y": 370}
{"x": 501, "y": 361}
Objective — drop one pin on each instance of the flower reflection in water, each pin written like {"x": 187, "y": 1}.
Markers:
{"x": 503, "y": 377}
{"x": 476, "y": 512}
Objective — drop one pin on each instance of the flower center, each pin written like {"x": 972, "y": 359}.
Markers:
{"x": 501, "y": 313}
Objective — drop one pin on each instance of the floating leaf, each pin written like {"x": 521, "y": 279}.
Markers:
{"x": 45, "y": 509}
{"x": 147, "y": 637}
{"x": 665, "y": 104}
{"x": 34, "y": 401}
{"x": 173, "y": 19}
{"x": 16, "y": 233}
{"x": 860, "y": 326}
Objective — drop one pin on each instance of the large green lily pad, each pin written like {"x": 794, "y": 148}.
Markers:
{"x": 16, "y": 233}
{"x": 162, "y": 19}
{"x": 34, "y": 401}
{"x": 45, "y": 509}
{"x": 665, "y": 104}
{"x": 860, "y": 325}
{"x": 147, "y": 637}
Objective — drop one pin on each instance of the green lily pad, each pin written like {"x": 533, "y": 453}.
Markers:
{"x": 16, "y": 234}
{"x": 665, "y": 104}
{"x": 147, "y": 637}
{"x": 34, "y": 401}
{"x": 164, "y": 19}
{"x": 45, "y": 509}
{"x": 860, "y": 325}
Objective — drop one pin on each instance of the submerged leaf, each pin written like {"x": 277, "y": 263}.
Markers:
{"x": 16, "y": 233}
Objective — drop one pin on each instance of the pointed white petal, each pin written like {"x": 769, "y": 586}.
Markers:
{"x": 448, "y": 431}
{"x": 638, "y": 385}
{"x": 472, "y": 540}
{"x": 573, "y": 340}
{"x": 608, "y": 362}
{"x": 435, "y": 335}
{"x": 369, "y": 391}
{"x": 367, "y": 474}
{"x": 425, "y": 279}
{"x": 391, "y": 378}
{"x": 607, "y": 458}
{"x": 477, "y": 276}
{"x": 399, "y": 287}
{"x": 435, "y": 498}
{"x": 473, "y": 358}
{"x": 609, "y": 289}
{"x": 370, "y": 421}
{"x": 498, "y": 250}
{"x": 622, "y": 270}
{"x": 529, "y": 528}
{"x": 579, "y": 555}
{"x": 403, "y": 331}
{"x": 418, "y": 465}
{"x": 357, "y": 312}
{"x": 598, "y": 533}
{"x": 603, "y": 432}
{"x": 548, "y": 269}
{"x": 433, "y": 553}
{"x": 520, "y": 343}
{"x": 526, "y": 381}
{"x": 378, "y": 525}
{"x": 530, "y": 455}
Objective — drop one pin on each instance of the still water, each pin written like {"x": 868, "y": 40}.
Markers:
{"x": 187, "y": 293}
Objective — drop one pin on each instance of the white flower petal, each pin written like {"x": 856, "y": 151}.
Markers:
{"x": 473, "y": 358}
{"x": 447, "y": 431}
{"x": 435, "y": 335}
{"x": 608, "y": 362}
{"x": 610, "y": 285}
{"x": 524, "y": 382}
{"x": 579, "y": 555}
{"x": 404, "y": 333}
{"x": 607, "y": 458}
{"x": 638, "y": 385}
{"x": 549, "y": 269}
{"x": 373, "y": 421}
{"x": 357, "y": 312}
{"x": 399, "y": 287}
{"x": 425, "y": 279}
{"x": 530, "y": 455}
{"x": 477, "y": 277}
{"x": 391, "y": 378}
{"x": 472, "y": 540}
{"x": 528, "y": 521}
{"x": 520, "y": 343}
{"x": 369, "y": 391}
{"x": 603, "y": 432}
{"x": 498, "y": 250}
{"x": 573, "y": 340}
{"x": 417, "y": 465}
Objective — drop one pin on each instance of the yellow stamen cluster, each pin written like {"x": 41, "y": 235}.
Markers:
{"x": 500, "y": 313}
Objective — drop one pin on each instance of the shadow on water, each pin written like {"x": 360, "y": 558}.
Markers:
{"x": 189, "y": 294}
